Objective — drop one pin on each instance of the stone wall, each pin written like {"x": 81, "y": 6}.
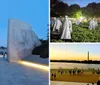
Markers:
{"x": 21, "y": 40}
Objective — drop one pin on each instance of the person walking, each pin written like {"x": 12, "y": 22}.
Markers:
{"x": 98, "y": 82}
{"x": 54, "y": 75}
{"x": 3, "y": 55}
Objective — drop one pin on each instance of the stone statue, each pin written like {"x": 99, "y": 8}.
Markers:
{"x": 96, "y": 22}
{"x": 93, "y": 24}
{"x": 70, "y": 25}
{"x": 90, "y": 25}
{"x": 67, "y": 29}
{"x": 54, "y": 26}
{"x": 52, "y": 22}
{"x": 57, "y": 25}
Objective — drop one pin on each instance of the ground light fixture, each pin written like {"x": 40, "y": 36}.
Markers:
{"x": 81, "y": 18}
{"x": 34, "y": 65}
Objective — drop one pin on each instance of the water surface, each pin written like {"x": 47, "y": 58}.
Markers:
{"x": 57, "y": 65}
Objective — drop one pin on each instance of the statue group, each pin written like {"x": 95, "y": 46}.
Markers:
{"x": 63, "y": 26}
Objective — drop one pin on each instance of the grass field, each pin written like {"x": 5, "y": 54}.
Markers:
{"x": 85, "y": 77}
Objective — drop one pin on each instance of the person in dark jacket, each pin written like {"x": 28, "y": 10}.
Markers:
{"x": 3, "y": 55}
{"x": 98, "y": 82}
{"x": 54, "y": 75}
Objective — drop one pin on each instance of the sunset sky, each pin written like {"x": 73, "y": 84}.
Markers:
{"x": 74, "y": 51}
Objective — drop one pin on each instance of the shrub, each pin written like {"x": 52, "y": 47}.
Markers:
{"x": 81, "y": 33}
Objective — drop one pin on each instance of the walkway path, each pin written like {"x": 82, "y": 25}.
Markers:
{"x": 16, "y": 74}
{"x": 69, "y": 83}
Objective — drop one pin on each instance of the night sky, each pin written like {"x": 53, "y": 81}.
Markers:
{"x": 82, "y": 3}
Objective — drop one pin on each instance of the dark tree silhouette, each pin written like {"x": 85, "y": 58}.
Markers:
{"x": 92, "y": 10}
{"x": 60, "y": 8}
{"x": 73, "y": 9}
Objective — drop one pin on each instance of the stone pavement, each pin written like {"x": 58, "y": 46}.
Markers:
{"x": 37, "y": 59}
{"x": 16, "y": 74}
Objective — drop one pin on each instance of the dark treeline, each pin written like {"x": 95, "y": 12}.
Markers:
{"x": 75, "y": 61}
{"x": 2, "y": 47}
{"x": 59, "y": 8}
{"x": 43, "y": 49}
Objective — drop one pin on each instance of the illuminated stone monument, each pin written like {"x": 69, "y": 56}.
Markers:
{"x": 21, "y": 40}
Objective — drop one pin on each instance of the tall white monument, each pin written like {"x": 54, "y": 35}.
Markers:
{"x": 21, "y": 40}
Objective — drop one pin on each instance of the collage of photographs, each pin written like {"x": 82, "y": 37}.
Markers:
{"x": 50, "y": 42}
{"x": 74, "y": 48}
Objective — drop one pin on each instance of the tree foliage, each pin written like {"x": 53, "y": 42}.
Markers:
{"x": 73, "y": 10}
{"x": 59, "y": 8}
{"x": 92, "y": 10}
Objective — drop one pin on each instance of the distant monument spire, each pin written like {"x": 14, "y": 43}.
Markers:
{"x": 88, "y": 56}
